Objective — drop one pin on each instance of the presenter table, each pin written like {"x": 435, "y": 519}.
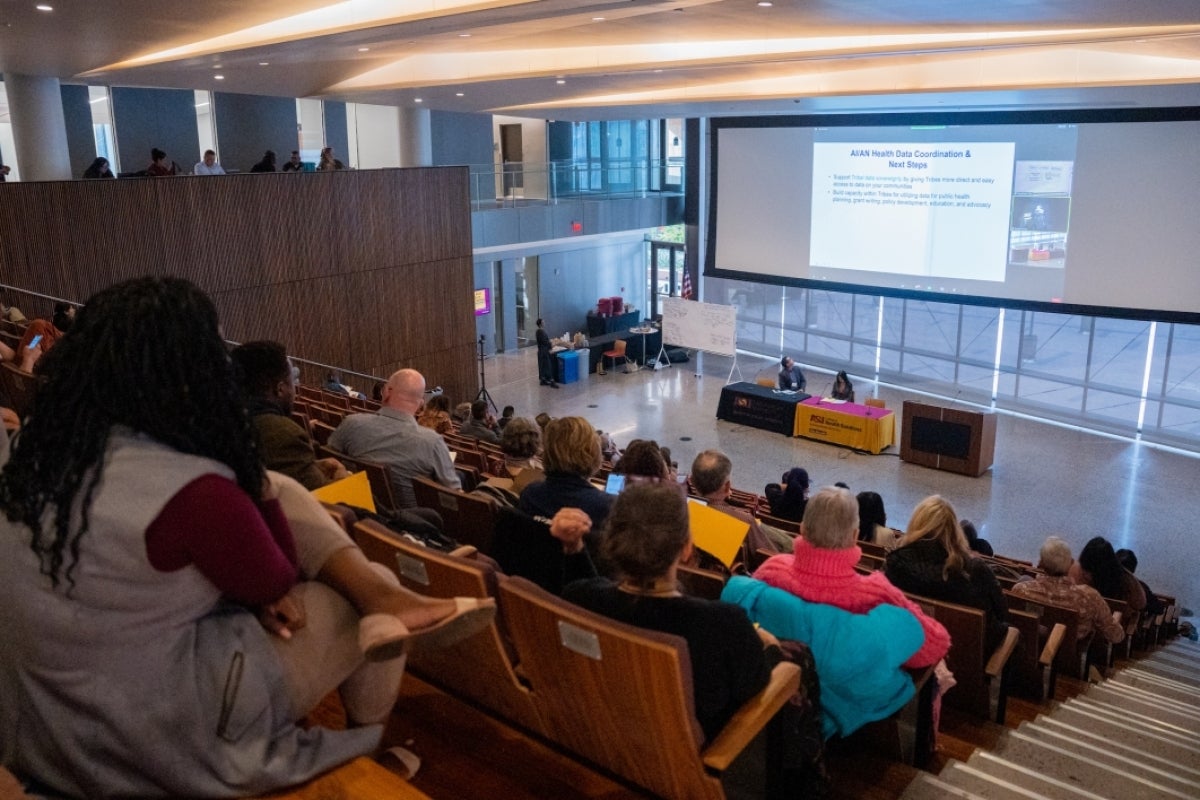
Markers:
{"x": 760, "y": 407}
{"x": 850, "y": 424}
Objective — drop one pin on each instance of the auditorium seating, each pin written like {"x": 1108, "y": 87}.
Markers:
{"x": 621, "y": 696}
{"x": 982, "y": 677}
{"x": 480, "y": 668}
{"x": 1071, "y": 658}
{"x": 466, "y": 519}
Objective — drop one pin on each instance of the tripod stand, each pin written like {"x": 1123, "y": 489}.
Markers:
{"x": 483, "y": 392}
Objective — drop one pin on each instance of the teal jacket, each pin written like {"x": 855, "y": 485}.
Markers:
{"x": 858, "y": 655}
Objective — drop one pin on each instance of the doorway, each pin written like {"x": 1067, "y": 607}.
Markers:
{"x": 525, "y": 293}
{"x": 511, "y": 156}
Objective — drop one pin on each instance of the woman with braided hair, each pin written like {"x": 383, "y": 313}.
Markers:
{"x": 171, "y": 609}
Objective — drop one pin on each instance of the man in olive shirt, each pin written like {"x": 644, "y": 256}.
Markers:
{"x": 269, "y": 384}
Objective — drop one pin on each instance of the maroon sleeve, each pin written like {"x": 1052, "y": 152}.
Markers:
{"x": 214, "y": 525}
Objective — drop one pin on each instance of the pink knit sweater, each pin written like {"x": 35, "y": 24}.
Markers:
{"x": 828, "y": 576}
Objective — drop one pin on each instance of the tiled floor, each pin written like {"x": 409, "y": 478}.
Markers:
{"x": 1046, "y": 479}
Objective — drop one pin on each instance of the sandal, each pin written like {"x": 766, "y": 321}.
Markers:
{"x": 382, "y": 637}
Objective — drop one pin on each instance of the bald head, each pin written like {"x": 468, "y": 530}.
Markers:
{"x": 404, "y": 391}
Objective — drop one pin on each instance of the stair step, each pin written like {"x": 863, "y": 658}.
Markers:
{"x": 1176, "y": 691}
{"x": 985, "y": 785}
{"x": 1170, "y": 670}
{"x": 1000, "y": 768}
{"x": 1123, "y": 720}
{"x": 930, "y": 787}
{"x": 1170, "y": 749}
{"x": 1134, "y": 701}
{"x": 1149, "y": 766}
{"x": 1092, "y": 772}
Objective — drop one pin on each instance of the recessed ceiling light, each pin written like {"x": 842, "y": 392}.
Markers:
{"x": 597, "y": 19}
{"x": 218, "y": 77}
{"x": 363, "y": 49}
{"x": 264, "y": 63}
{"x": 418, "y": 100}
{"x": 464, "y": 36}
{"x": 765, "y": 3}
{"x": 657, "y": 71}
{"x": 458, "y": 94}
{"x": 560, "y": 81}
{"x": 44, "y": 7}
{"x": 217, "y": 66}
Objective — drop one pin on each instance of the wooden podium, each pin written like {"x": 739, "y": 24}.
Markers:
{"x": 954, "y": 439}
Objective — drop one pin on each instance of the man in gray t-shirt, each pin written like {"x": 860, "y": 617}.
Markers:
{"x": 392, "y": 437}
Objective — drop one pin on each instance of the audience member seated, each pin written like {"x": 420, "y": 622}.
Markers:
{"x": 843, "y": 389}
{"x": 787, "y": 498}
{"x": 608, "y": 447}
{"x": 1129, "y": 561}
{"x": 933, "y": 560}
{"x": 268, "y": 382}
{"x": 506, "y": 415}
{"x": 571, "y": 455}
{"x": 47, "y": 332}
{"x": 1056, "y": 588}
{"x": 643, "y": 462}
{"x": 1099, "y": 568}
{"x": 646, "y": 539}
{"x": 480, "y": 425}
{"x": 172, "y": 609}
{"x": 977, "y": 545}
{"x": 329, "y": 161}
{"x": 159, "y": 168}
{"x": 461, "y": 413}
{"x": 872, "y": 522}
{"x": 435, "y": 414}
{"x": 392, "y": 437}
{"x": 9, "y": 312}
{"x": 334, "y": 384}
{"x": 711, "y": 478}
{"x": 521, "y": 442}
{"x": 821, "y": 570}
{"x": 267, "y": 164}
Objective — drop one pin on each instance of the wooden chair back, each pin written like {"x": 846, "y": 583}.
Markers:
{"x": 870, "y": 562}
{"x": 872, "y": 549}
{"x": 1071, "y": 658}
{"x": 704, "y": 583}
{"x": 466, "y": 519}
{"x": 621, "y": 696}
{"x": 980, "y": 674}
{"x": 377, "y": 476}
{"x": 478, "y": 669}
{"x": 1033, "y": 662}
{"x": 791, "y": 526}
{"x": 19, "y": 385}
{"x": 320, "y": 431}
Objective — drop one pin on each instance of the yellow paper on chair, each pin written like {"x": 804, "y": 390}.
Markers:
{"x": 716, "y": 532}
{"x": 353, "y": 491}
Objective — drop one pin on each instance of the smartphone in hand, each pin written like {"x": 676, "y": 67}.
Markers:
{"x": 35, "y": 341}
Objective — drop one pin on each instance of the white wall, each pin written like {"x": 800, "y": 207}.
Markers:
{"x": 374, "y": 136}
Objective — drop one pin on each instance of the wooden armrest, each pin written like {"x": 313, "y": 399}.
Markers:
{"x": 464, "y": 551}
{"x": 751, "y": 717}
{"x": 1053, "y": 642}
{"x": 995, "y": 664}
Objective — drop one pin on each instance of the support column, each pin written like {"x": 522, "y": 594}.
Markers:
{"x": 39, "y": 128}
{"x": 416, "y": 141}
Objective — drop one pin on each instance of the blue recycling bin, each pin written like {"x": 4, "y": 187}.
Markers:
{"x": 568, "y": 366}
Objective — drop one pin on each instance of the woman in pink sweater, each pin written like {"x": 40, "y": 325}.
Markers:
{"x": 821, "y": 570}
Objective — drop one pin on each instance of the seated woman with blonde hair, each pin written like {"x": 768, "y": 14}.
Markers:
{"x": 933, "y": 560}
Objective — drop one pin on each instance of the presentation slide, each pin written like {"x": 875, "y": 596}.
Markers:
{"x": 912, "y": 209}
{"x": 1087, "y": 213}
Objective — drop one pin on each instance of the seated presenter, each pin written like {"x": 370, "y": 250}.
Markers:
{"x": 843, "y": 389}
{"x": 790, "y": 377}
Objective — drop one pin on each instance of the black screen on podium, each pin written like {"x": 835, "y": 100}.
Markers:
{"x": 951, "y": 439}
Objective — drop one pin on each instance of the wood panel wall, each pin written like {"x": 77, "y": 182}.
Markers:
{"x": 367, "y": 270}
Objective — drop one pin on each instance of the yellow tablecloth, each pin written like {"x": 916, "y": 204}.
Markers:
{"x": 850, "y": 424}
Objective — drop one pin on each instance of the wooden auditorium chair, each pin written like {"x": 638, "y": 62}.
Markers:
{"x": 621, "y": 697}
{"x": 1033, "y": 662}
{"x": 982, "y": 677}
{"x": 466, "y": 519}
{"x": 479, "y": 669}
{"x": 1071, "y": 658}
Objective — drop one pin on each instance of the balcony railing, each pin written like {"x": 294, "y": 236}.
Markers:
{"x": 546, "y": 183}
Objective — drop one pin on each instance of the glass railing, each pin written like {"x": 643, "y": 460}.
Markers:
{"x": 546, "y": 183}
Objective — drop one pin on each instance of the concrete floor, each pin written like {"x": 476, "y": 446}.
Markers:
{"x": 1047, "y": 479}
